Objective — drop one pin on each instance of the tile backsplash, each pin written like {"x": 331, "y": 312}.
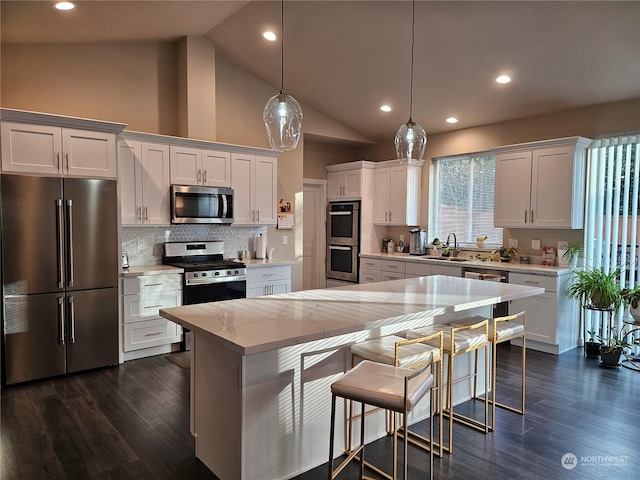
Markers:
{"x": 144, "y": 244}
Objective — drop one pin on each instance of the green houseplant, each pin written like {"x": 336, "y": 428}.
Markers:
{"x": 569, "y": 257}
{"x": 631, "y": 296}
{"x": 592, "y": 346}
{"x": 612, "y": 347}
{"x": 595, "y": 288}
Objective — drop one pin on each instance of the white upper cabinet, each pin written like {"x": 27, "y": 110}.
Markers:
{"x": 254, "y": 180}
{"x": 349, "y": 181}
{"x": 53, "y": 150}
{"x": 541, "y": 184}
{"x": 396, "y": 194}
{"x": 143, "y": 175}
{"x": 194, "y": 166}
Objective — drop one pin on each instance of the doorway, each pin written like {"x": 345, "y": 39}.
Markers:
{"x": 314, "y": 234}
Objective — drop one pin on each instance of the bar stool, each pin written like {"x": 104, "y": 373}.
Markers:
{"x": 457, "y": 341}
{"x": 413, "y": 353}
{"x": 383, "y": 386}
{"x": 502, "y": 329}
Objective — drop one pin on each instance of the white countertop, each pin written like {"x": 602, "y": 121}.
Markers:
{"x": 140, "y": 270}
{"x": 255, "y": 325}
{"x": 514, "y": 267}
{"x": 264, "y": 262}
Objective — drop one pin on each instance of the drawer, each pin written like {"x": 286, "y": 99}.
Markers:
{"x": 152, "y": 284}
{"x": 393, "y": 266}
{"x": 418, "y": 269}
{"x": 261, "y": 274}
{"x": 548, "y": 283}
{"x": 370, "y": 263}
{"x": 150, "y": 333}
{"x": 384, "y": 276}
{"x": 369, "y": 276}
{"x": 139, "y": 307}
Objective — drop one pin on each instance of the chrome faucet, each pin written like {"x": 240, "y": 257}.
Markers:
{"x": 456, "y": 250}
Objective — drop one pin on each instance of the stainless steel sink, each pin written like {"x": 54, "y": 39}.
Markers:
{"x": 447, "y": 259}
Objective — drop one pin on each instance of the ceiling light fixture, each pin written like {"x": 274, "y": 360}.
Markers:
{"x": 503, "y": 79}
{"x": 385, "y": 108}
{"x": 411, "y": 138}
{"x": 452, "y": 120}
{"x": 64, "y": 5}
{"x": 282, "y": 114}
{"x": 270, "y": 36}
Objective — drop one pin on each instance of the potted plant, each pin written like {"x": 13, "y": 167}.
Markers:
{"x": 568, "y": 257}
{"x": 612, "y": 347}
{"x": 506, "y": 254}
{"x": 592, "y": 347}
{"x": 631, "y": 296}
{"x": 596, "y": 289}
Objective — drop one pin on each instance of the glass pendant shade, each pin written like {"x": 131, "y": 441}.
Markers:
{"x": 282, "y": 118}
{"x": 410, "y": 142}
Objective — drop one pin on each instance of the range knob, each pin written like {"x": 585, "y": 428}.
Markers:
{"x": 195, "y": 275}
{"x": 204, "y": 274}
{"x": 217, "y": 273}
{"x": 228, "y": 272}
{"x": 237, "y": 272}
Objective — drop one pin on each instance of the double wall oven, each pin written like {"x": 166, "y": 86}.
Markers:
{"x": 343, "y": 241}
{"x": 208, "y": 277}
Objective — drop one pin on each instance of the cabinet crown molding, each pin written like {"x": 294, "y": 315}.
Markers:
{"x": 578, "y": 142}
{"x": 50, "y": 119}
{"x": 352, "y": 166}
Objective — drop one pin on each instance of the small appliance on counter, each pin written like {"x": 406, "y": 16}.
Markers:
{"x": 125, "y": 260}
{"x": 418, "y": 241}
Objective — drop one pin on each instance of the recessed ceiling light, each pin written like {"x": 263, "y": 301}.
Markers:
{"x": 452, "y": 120}
{"x": 385, "y": 108}
{"x": 503, "y": 79}
{"x": 270, "y": 36}
{"x": 64, "y": 5}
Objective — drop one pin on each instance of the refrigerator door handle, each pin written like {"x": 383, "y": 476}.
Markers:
{"x": 70, "y": 241}
{"x": 61, "y": 318}
{"x": 59, "y": 221}
{"x": 72, "y": 318}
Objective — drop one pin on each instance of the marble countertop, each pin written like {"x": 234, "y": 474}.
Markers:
{"x": 255, "y": 325}
{"x": 140, "y": 270}
{"x": 264, "y": 262}
{"x": 531, "y": 269}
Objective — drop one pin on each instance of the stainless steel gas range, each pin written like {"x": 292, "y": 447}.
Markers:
{"x": 208, "y": 277}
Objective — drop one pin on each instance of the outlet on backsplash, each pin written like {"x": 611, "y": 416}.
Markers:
{"x": 513, "y": 243}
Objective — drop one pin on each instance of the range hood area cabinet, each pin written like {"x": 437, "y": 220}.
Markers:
{"x": 143, "y": 176}
{"x": 348, "y": 181}
{"x": 396, "y": 194}
{"x": 195, "y": 166}
{"x": 541, "y": 184}
{"x": 53, "y": 145}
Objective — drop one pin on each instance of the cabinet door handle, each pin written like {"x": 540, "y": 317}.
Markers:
{"x": 140, "y": 213}
{"x": 66, "y": 156}
{"x": 204, "y": 177}
{"x": 199, "y": 176}
{"x": 389, "y": 216}
{"x": 264, "y": 290}
{"x": 271, "y": 289}
{"x": 152, "y": 284}
{"x": 146, "y": 213}
{"x": 58, "y": 161}
{"x": 386, "y": 216}
{"x": 531, "y": 282}
{"x": 532, "y": 217}
{"x": 525, "y": 216}
{"x": 153, "y": 306}
{"x": 258, "y": 215}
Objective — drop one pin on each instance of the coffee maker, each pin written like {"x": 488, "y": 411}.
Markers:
{"x": 418, "y": 241}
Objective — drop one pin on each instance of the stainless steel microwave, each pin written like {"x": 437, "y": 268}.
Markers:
{"x": 191, "y": 204}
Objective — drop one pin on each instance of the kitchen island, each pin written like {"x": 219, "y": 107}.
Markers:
{"x": 261, "y": 368}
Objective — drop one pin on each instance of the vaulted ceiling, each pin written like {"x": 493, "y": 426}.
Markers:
{"x": 346, "y": 58}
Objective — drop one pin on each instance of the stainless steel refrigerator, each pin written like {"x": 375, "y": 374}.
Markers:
{"x": 59, "y": 275}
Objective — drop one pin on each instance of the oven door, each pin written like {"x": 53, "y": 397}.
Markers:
{"x": 343, "y": 223}
{"x": 213, "y": 292}
{"x": 342, "y": 262}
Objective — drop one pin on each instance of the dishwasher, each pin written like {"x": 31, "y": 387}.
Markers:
{"x": 499, "y": 309}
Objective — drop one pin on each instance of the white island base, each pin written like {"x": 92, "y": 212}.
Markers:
{"x": 261, "y": 368}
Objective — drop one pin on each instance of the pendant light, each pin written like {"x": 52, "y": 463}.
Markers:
{"x": 411, "y": 138}
{"x": 282, "y": 114}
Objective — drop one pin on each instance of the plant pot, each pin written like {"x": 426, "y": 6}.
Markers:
{"x": 505, "y": 260}
{"x": 592, "y": 349}
{"x": 635, "y": 313}
{"x": 610, "y": 359}
{"x": 600, "y": 299}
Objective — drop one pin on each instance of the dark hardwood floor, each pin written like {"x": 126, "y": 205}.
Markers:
{"x": 132, "y": 421}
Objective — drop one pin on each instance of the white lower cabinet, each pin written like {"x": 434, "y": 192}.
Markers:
{"x": 552, "y": 318}
{"x": 143, "y": 297}
{"x": 268, "y": 280}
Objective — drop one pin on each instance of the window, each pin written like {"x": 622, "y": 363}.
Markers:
{"x": 462, "y": 198}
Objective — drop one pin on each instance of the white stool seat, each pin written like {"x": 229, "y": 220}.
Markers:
{"x": 505, "y": 329}
{"x": 382, "y": 386}
{"x": 464, "y": 340}
{"x": 383, "y": 350}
